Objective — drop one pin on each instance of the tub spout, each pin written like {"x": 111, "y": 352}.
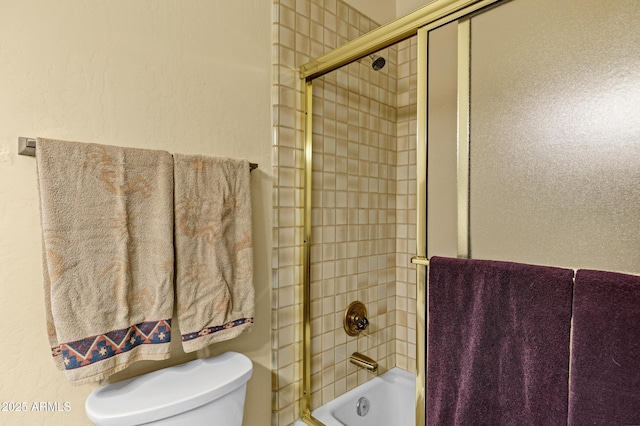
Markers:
{"x": 363, "y": 361}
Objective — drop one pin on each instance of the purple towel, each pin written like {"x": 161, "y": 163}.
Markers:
{"x": 605, "y": 360}
{"x": 498, "y": 343}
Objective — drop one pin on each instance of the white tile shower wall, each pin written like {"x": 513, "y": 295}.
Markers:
{"x": 356, "y": 164}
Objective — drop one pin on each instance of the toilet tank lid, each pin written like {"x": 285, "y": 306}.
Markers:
{"x": 169, "y": 391}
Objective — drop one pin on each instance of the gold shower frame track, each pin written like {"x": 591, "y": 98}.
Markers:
{"x": 419, "y": 22}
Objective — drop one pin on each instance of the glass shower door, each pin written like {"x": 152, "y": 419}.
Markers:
{"x": 554, "y": 135}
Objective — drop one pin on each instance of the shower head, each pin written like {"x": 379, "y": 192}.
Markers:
{"x": 377, "y": 62}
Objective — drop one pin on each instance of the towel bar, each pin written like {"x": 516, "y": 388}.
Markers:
{"x": 420, "y": 260}
{"x": 27, "y": 146}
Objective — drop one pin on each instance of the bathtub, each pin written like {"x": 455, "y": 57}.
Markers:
{"x": 390, "y": 400}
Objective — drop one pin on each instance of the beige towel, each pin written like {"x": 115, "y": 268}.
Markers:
{"x": 214, "y": 249}
{"x": 107, "y": 221}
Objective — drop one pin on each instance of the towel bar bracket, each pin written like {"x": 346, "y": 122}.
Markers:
{"x": 27, "y": 146}
{"x": 420, "y": 260}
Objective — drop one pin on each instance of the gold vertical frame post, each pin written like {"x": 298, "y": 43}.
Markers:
{"x": 464, "y": 107}
{"x": 306, "y": 282}
{"x": 305, "y": 401}
{"x": 421, "y": 225}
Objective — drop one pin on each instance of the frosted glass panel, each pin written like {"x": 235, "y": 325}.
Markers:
{"x": 555, "y": 133}
{"x": 442, "y": 127}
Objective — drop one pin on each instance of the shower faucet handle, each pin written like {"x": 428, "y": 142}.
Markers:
{"x": 355, "y": 318}
{"x": 362, "y": 323}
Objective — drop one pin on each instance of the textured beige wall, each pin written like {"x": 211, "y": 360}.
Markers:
{"x": 189, "y": 77}
{"x": 381, "y": 11}
{"x": 407, "y": 6}
{"x": 385, "y": 11}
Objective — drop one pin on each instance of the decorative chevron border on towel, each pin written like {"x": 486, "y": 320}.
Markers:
{"x": 215, "y": 295}
{"x": 215, "y": 329}
{"x": 92, "y": 349}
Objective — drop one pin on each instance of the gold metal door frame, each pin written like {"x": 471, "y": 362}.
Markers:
{"x": 420, "y": 22}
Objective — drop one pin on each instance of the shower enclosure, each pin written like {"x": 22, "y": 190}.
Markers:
{"x": 362, "y": 198}
{"x": 531, "y": 139}
{"x": 371, "y": 149}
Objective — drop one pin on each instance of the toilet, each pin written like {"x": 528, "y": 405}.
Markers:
{"x": 207, "y": 391}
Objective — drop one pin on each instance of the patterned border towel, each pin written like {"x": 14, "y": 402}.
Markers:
{"x": 107, "y": 222}
{"x": 605, "y": 358}
{"x": 214, "y": 249}
{"x": 498, "y": 343}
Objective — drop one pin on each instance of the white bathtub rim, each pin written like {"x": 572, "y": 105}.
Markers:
{"x": 325, "y": 412}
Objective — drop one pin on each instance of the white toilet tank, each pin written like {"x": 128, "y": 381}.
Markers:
{"x": 207, "y": 391}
